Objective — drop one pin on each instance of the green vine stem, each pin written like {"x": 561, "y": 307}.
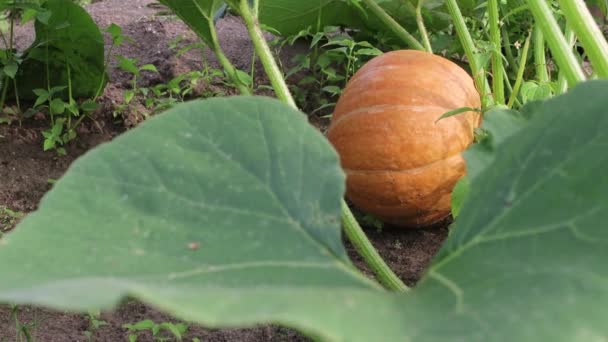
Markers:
{"x": 508, "y": 47}
{"x": 497, "y": 66}
{"x": 11, "y": 57}
{"x": 540, "y": 61}
{"x": 471, "y": 52}
{"x": 423, "y": 32}
{"x": 563, "y": 55}
{"x": 263, "y": 50}
{"x": 520, "y": 72}
{"x": 352, "y": 228}
{"x": 562, "y": 83}
{"x": 393, "y": 25}
{"x": 357, "y": 237}
{"x": 226, "y": 64}
{"x": 589, "y": 34}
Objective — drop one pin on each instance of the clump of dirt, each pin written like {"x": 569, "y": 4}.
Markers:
{"x": 27, "y": 172}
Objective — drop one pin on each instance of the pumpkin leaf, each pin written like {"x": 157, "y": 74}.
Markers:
{"x": 225, "y": 212}
{"x": 498, "y": 124}
{"x": 459, "y": 194}
{"x": 187, "y": 205}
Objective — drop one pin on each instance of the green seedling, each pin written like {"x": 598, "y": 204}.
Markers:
{"x": 23, "y": 331}
{"x": 130, "y": 65}
{"x": 8, "y": 219}
{"x": 94, "y": 325}
{"x": 333, "y": 58}
{"x": 176, "y": 330}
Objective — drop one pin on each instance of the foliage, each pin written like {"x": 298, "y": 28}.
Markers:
{"x": 226, "y": 211}
{"x": 64, "y": 63}
{"x": 175, "y": 329}
{"x": 162, "y": 235}
{"x": 333, "y": 58}
{"x": 67, "y": 37}
{"x": 8, "y": 218}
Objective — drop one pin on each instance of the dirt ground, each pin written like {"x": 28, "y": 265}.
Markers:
{"x": 26, "y": 173}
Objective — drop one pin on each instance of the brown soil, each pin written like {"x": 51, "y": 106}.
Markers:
{"x": 26, "y": 173}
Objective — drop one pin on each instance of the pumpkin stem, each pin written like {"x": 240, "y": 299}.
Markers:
{"x": 520, "y": 72}
{"x": 263, "y": 50}
{"x": 351, "y": 226}
{"x": 498, "y": 83}
{"x": 423, "y": 32}
{"x": 231, "y": 71}
{"x": 563, "y": 55}
{"x": 481, "y": 82}
{"x": 364, "y": 247}
{"x": 589, "y": 34}
{"x": 393, "y": 25}
{"x": 562, "y": 82}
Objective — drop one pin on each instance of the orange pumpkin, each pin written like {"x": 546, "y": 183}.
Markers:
{"x": 401, "y": 163}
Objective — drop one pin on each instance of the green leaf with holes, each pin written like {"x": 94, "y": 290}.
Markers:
{"x": 225, "y": 212}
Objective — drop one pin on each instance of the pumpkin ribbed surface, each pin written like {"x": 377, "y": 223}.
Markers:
{"x": 401, "y": 163}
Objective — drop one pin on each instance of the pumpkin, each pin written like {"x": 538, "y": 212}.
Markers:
{"x": 401, "y": 163}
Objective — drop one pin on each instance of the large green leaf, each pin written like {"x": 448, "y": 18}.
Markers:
{"x": 225, "y": 212}
{"x": 218, "y": 204}
{"x": 497, "y": 125}
{"x": 69, "y": 38}
{"x": 291, "y": 16}
{"x": 197, "y": 14}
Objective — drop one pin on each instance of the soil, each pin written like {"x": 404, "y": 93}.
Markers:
{"x": 26, "y": 171}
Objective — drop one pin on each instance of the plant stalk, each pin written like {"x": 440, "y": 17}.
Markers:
{"x": 557, "y": 42}
{"x": 106, "y": 61}
{"x": 11, "y": 58}
{"x": 540, "y": 61}
{"x": 422, "y": 28}
{"x": 70, "y": 99}
{"x": 497, "y": 65}
{"x": 352, "y": 228}
{"x": 471, "y": 52}
{"x": 590, "y": 35}
{"x": 508, "y": 49}
{"x": 393, "y": 25}
{"x": 226, "y": 64}
{"x": 520, "y": 72}
{"x": 364, "y": 247}
{"x": 562, "y": 83}
{"x": 263, "y": 50}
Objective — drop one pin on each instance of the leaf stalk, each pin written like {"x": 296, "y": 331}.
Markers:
{"x": 393, "y": 25}
{"x": 591, "y": 37}
{"x": 562, "y": 54}
{"x": 352, "y": 229}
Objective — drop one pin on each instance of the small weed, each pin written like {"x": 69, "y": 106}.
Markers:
{"x": 94, "y": 324}
{"x": 177, "y": 330}
{"x": 163, "y": 96}
{"x": 8, "y": 219}
{"x": 130, "y": 65}
{"x": 333, "y": 59}
{"x": 23, "y": 331}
